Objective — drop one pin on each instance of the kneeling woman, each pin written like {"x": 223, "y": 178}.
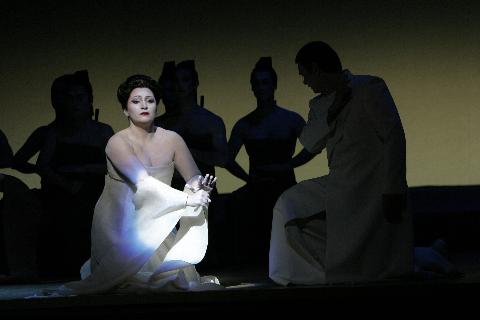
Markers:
{"x": 135, "y": 243}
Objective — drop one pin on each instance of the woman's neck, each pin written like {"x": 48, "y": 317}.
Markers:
{"x": 141, "y": 131}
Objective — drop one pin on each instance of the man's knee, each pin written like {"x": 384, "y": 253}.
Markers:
{"x": 311, "y": 222}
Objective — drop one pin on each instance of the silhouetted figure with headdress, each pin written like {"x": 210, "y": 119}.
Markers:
{"x": 72, "y": 166}
{"x": 269, "y": 134}
{"x": 167, "y": 86}
{"x": 35, "y": 142}
{"x": 171, "y": 117}
{"x": 204, "y": 134}
{"x": 203, "y": 131}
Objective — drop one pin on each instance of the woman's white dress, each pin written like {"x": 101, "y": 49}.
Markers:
{"x": 135, "y": 243}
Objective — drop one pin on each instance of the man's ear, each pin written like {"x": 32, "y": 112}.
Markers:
{"x": 315, "y": 68}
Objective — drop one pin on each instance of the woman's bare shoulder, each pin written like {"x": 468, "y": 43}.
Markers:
{"x": 119, "y": 138}
{"x": 122, "y": 134}
{"x": 169, "y": 135}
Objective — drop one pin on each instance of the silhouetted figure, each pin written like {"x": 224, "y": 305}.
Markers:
{"x": 351, "y": 225}
{"x": 6, "y": 154}
{"x": 202, "y": 130}
{"x": 19, "y": 212}
{"x": 170, "y": 118}
{"x": 72, "y": 167}
{"x": 167, "y": 85}
{"x": 6, "y": 157}
{"x": 204, "y": 133}
{"x": 135, "y": 246}
{"x": 269, "y": 134}
{"x": 31, "y": 147}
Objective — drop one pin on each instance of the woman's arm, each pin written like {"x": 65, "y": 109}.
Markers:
{"x": 121, "y": 154}
{"x": 183, "y": 158}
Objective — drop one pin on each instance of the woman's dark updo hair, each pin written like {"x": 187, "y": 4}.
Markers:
{"x": 133, "y": 82}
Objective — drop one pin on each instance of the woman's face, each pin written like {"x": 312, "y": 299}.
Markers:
{"x": 141, "y": 106}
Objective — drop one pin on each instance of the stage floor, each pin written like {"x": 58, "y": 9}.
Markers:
{"x": 249, "y": 290}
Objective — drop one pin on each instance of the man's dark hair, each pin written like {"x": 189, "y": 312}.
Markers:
{"x": 264, "y": 64}
{"x": 133, "y": 82}
{"x": 321, "y": 53}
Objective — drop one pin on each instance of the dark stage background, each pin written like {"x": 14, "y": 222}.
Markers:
{"x": 427, "y": 51}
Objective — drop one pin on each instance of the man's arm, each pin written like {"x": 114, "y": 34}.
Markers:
{"x": 98, "y": 168}
{"x": 298, "y": 160}
{"x": 301, "y": 158}
{"x": 315, "y": 134}
{"x": 219, "y": 156}
{"x": 6, "y": 154}
{"x": 304, "y": 155}
{"x": 234, "y": 168}
{"x": 384, "y": 116}
{"x": 235, "y": 143}
{"x": 44, "y": 164}
{"x": 387, "y": 124}
{"x": 32, "y": 146}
